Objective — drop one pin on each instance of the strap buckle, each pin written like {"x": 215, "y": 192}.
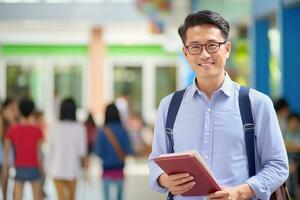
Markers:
{"x": 169, "y": 131}
{"x": 249, "y": 126}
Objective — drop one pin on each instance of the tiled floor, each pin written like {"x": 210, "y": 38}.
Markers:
{"x": 90, "y": 187}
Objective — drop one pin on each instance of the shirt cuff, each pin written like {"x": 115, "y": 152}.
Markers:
{"x": 258, "y": 189}
{"x": 154, "y": 181}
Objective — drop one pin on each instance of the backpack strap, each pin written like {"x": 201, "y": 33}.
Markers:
{"x": 248, "y": 126}
{"x": 171, "y": 116}
{"x": 115, "y": 143}
{"x": 247, "y": 119}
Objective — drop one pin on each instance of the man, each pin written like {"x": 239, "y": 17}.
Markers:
{"x": 209, "y": 121}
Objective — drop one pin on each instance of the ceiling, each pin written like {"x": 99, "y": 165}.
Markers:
{"x": 72, "y": 20}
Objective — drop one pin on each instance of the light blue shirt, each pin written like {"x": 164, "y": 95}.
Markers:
{"x": 214, "y": 128}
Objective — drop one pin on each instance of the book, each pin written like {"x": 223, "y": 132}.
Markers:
{"x": 190, "y": 162}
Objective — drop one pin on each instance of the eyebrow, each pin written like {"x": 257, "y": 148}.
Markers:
{"x": 196, "y": 42}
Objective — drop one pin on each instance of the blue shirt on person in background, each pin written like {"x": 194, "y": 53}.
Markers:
{"x": 214, "y": 128}
{"x": 104, "y": 149}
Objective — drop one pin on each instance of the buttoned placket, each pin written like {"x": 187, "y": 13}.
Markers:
{"x": 208, "y": 132}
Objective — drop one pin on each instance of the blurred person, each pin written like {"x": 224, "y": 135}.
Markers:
{"x": 282, "y": 111}
{"x": 10, "y": 112}
{"x": 9, "y": 115}
{"x": 39, "y": 120}
{"x": 66, "y": 151}
{"x": 138, "y": 133}
{"x": 122, "y": 103}
{"x": 292, "y": 143}
{"x": 26, "y": 140}
{"x": 209, "y": 121}
{"x": 112, "y": 146}
{"x": 1, "y": 149}
{"x": 91, "y": 130}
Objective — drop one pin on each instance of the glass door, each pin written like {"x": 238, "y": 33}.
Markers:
{"x": 68, "y": 83}
{"x": 22, "y": 80}
{"x": 128, "y": 81}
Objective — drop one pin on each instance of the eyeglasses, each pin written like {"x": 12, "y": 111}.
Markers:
{"x": 211, "y": 47}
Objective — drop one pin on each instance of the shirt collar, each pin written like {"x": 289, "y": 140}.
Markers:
{"x": 226, "y": 87}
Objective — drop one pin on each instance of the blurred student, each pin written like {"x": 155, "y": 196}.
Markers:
{"x": 39, "y": 120}
{"x": 91, "y": 130}
{"x": 112, "y": 146}
{"x": 1, "y": 149}
{"x": 26, "y": 140}
{"x": 66, "y": 151}
{"x": 122, "y": 103}
{"x": 9, "y": 115}
{"x": 282, "y": 111}
{"x": 292, "y": 143}
{"x": 139, "y": 134}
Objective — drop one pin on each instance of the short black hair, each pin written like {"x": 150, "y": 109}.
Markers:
{"x": 68, "y": 110}
{"x": 112, "y": 114}
{"x": 204, "y": 17}
{"x": 26, "y": 107}
{"x": 280, "y": 103}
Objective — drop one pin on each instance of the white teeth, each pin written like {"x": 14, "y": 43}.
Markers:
{"x": 205, "y": 64}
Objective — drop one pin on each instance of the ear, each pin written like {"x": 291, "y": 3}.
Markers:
{"x": 185, "y": 52}
{"x": 228, "y": 48}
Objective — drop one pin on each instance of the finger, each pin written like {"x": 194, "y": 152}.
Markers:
{"x": 182, "y": 188}
{"x": 175, "y": 177}
{"x": 182, "y": 181}
{"x": 218, "y": 195}
{"x": 216, "y": 198}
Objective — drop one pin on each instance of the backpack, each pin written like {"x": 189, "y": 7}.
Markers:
{"x": 246, "y": 114}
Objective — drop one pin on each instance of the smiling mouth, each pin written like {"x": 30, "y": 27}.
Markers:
{"x": 205, "y": 64}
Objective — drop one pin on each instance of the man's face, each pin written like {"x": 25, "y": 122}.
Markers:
{"x": 206, "y": 65}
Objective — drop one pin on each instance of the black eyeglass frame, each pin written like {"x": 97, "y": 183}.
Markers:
{"x": 206, "y": 47}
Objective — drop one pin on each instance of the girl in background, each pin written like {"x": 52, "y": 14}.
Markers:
{"x": 112, "y": 146}
{"x": 66, "y": 151}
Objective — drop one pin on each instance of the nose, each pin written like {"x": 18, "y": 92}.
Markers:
{"x": 204, "y": 54}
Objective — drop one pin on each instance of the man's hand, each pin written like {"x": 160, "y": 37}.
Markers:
{"x": 240, "y": 192}
{"x": 177, "y": 183}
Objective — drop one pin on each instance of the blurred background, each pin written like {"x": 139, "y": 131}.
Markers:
{"x": 128, "y": 51}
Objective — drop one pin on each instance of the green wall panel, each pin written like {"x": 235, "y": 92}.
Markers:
{"x": 111, "y": 50}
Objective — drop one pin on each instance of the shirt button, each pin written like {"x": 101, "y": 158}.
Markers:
{"x": 209, "y": 110}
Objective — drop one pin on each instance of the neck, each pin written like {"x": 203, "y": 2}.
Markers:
{"x": 209, "y": 86}
{"x": 27, "y": 120}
